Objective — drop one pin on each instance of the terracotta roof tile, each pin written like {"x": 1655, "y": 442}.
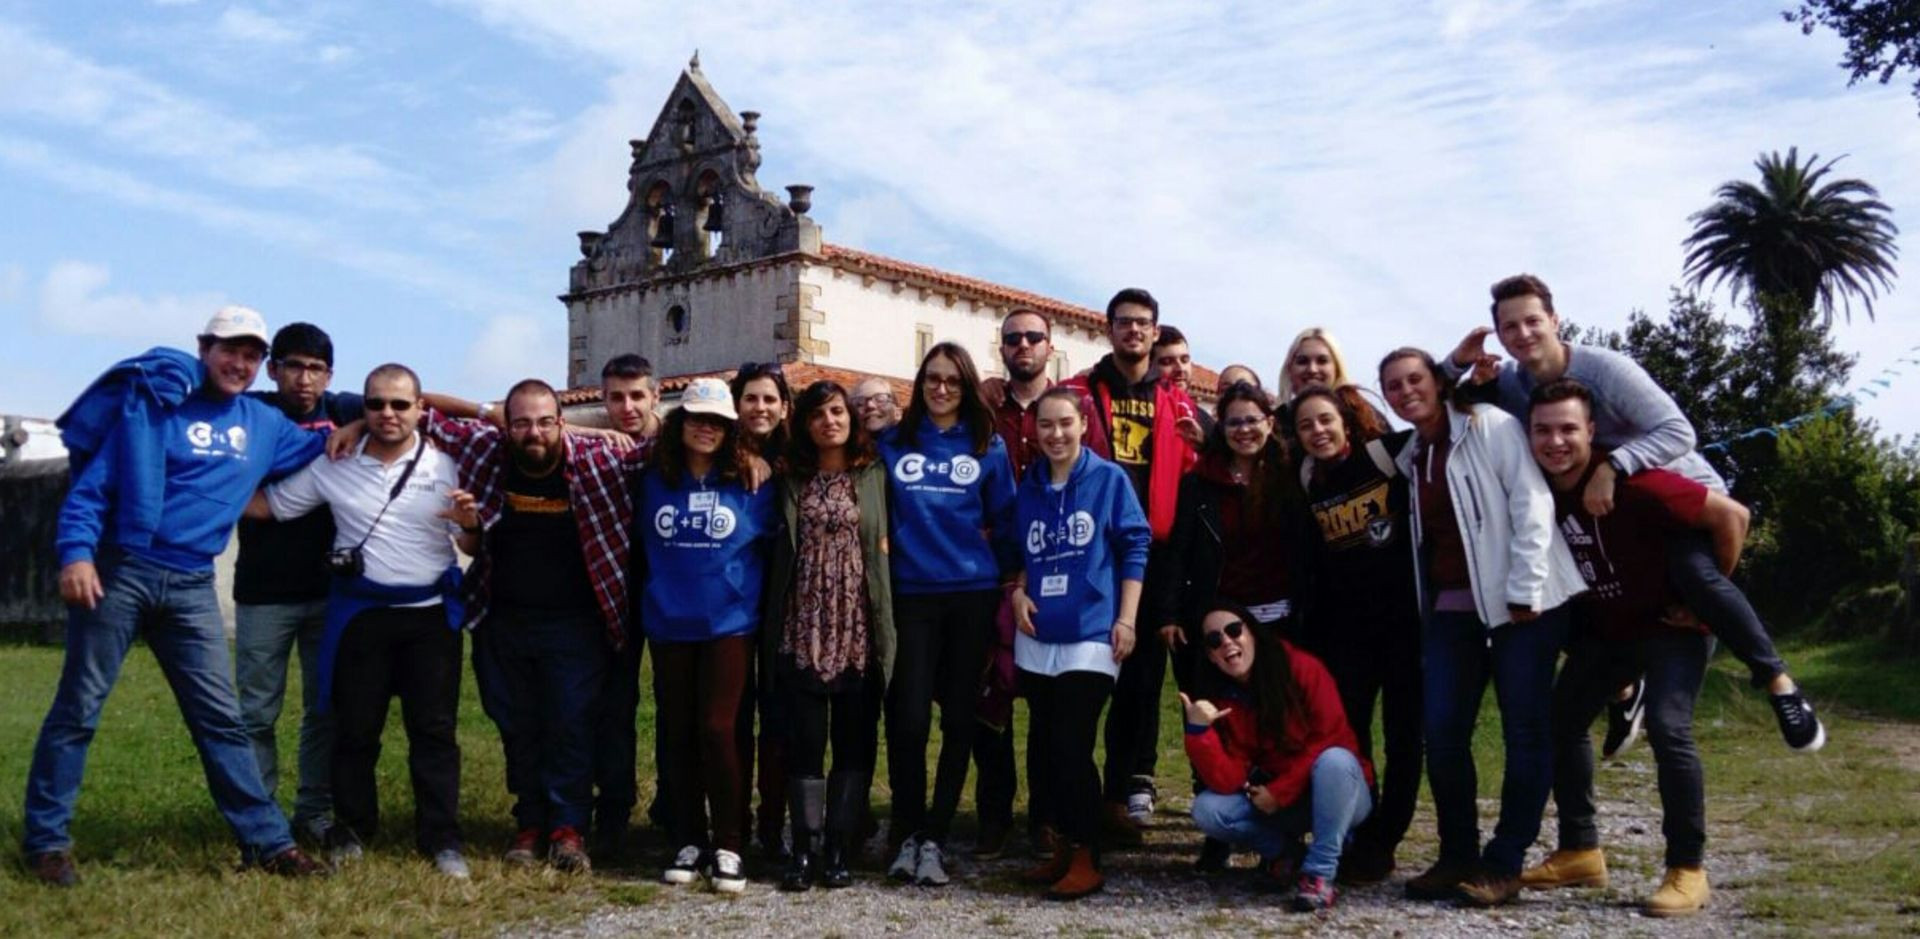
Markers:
{"x": 798, "y": 374}
{"x": 869, "y": 262}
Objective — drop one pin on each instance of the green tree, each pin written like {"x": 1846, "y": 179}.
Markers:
{"x": 1883, "y": 36}
{"x": 1795, "y": 237}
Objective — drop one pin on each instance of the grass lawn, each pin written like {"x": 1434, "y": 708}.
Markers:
{"x": 157, "y": 859}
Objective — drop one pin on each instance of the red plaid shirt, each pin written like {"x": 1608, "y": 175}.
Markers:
{"x": 597, "y": 482}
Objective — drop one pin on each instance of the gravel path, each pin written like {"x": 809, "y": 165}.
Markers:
{"x": 1151, "y": 893}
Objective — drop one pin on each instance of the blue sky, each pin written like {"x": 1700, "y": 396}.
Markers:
{"x": 411, "y": 176}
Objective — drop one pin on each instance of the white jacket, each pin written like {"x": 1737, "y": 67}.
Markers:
{"x": 1515, "y": 554}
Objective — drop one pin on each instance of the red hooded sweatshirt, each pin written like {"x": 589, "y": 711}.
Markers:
{"x": 1228, "y": 750}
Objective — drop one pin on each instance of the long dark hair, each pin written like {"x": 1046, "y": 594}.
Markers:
{"x": 1267, "y": 485}
{"x": 1361, "y": 421}
{"x": 975, "y": 416}
{"x": 771, "y": 448}
{"x": 670, "y": 451}
{"x": 803, "y": 455}
{"x": 1275, "y": 694}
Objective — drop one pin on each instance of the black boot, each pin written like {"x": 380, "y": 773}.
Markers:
{"x": 846, "y": 803}
{"x": 807, "y": 797}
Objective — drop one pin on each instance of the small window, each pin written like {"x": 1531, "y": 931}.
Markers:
{"x": 922, "y": 343}
{"x": 677, "y": 319}
{"x": 1057, "y": 366}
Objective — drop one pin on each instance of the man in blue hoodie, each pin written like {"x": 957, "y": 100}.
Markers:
{"x": 118, "y": 580}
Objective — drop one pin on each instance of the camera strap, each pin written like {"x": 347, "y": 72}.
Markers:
{"x": 398, "y": 487}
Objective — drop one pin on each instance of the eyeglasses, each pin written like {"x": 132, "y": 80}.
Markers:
{"x": 1012, "y": 338}
{"x": 396, "y": 405}
{"x": 949, "y": 382}
{"x": 1219, "y": 637}
{"x": 862, "y": 404}
{"x": 1237, "y": 423}
{"x": 1133, "y": 322}
{"x": 524, "y": 424}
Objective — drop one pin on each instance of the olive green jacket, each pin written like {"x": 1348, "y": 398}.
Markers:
{"x": 870, "y": 490}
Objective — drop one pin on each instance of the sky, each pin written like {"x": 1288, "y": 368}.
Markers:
{"x": 411, "y": 176}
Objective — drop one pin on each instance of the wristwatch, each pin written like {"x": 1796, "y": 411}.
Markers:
{"x": 486, "y": 410}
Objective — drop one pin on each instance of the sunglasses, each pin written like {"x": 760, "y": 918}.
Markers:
{"x": 396, "y": 405}
{"x": 1236, "y": 423}
{"x": 1219, "y": 637}
{"x": 1033, "y": 337}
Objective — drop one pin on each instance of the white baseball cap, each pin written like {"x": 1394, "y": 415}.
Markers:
{"x": 708, "y": 396}
{"x": 237, "y": 322}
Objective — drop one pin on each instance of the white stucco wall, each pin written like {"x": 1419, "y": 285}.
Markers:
{"x": 871, "y": 327}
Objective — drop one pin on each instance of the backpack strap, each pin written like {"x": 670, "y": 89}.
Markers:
{"x": 1377, "y": 450}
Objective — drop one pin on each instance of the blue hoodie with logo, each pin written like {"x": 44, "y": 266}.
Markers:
{"x": 1080, "y": 541}
{"x": 951, "y": 511}
{"x": 214, "y": 452}
{"x": 704, "y": 544}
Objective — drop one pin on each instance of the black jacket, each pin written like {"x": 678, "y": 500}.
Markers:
{"x": 1187, "y": 577}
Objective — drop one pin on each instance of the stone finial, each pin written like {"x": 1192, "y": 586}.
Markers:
{"x": 589, "y": 241}
{"x": 750, "y": 121}
{"x": 693, "y": 64}
{"x": 800, "y": 198}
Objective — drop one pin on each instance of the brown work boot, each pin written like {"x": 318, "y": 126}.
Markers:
{"x": 54, "y": 868}
{"x": 1082, "y": 877}
{"x": 1568, "y": 867}
{"x": 1438, "y": 882}
{"x": 293, "y": 862}
{"x": 1120, "y": 827}
{"x": 1683, "y": 893}
{"x": 1053, "y": 868}
{"x": 1487, "y": 888}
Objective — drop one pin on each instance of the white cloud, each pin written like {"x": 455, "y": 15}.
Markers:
{"x": 74, "y": 299}
{"x": 333, "y": 54}
{"x": 1260, "y": 168}
{"x": 511, "y": 347}
{"x": 245, "y": 24}
{"x": 47, "y": 84}
{"x": 13, "y": 283}
{"x": 519, "y": 127}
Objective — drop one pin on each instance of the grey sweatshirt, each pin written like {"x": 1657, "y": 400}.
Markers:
{"x": 1632, "y": 416}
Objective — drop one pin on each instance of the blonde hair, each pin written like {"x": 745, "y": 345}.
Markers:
{"x": 1340, "y": 376}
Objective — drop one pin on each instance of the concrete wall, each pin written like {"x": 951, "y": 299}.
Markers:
{"x": 872, "y": 325}
{"x": 730, "y": 317}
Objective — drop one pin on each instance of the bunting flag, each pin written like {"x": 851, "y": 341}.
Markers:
{"x": 1870, "y": 389}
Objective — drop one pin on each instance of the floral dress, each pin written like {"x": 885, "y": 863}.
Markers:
{"x": 825, "y": 639}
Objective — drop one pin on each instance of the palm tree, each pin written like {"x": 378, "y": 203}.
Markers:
{"x": 1795, "y": 239}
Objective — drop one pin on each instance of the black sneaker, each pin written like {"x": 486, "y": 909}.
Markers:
{"x": 1624, "y": 720}
{"x": 1802, "y": 730}
{"x": 1214, "y": 857}
{"x": 685, "y": 868}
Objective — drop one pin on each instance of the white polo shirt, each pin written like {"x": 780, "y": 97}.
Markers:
{"x": 412, "y": 546}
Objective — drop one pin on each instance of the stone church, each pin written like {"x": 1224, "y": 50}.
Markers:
{"x": 703, "y": 270}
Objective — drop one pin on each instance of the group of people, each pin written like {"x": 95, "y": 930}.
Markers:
{"x": 805, "y": 568}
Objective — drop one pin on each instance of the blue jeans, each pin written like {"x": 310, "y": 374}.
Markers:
{"x": 1337, "y": 802}
{"x": 1461, "y": 655}
{"x": 540, "y": 677}
{"x": 180, "y": 618}
{"x": 264, "y": 638}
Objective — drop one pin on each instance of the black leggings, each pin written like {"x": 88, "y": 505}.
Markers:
{"x": 942, "y": 652}
{"x": 1064, "y": 716}
{"x": 697, "y": 688}
{"x": 1675, "y": 663}
{"x": 849, "y": 719}
{"x": 1383, "y": 665}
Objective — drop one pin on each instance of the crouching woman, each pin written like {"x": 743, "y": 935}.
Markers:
{"x": 1273, "y": 749}
{"x": 1085, "y": 554}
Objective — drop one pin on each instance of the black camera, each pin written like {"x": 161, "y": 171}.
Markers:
{"x": 346, "y": 562}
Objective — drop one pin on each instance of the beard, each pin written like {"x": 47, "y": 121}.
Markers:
{"x": 536, "y": 463}
{"x": 1025, "y": 373}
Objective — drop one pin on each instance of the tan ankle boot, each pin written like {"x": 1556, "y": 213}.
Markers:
{"x": 1082, "y": 877}
{"x": 1684, "y": 892}
{"x": 1053, "y": 868}
{"x": 1571, "y": 867}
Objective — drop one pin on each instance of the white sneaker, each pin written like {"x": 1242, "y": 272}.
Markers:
{"x": 907, "y": 862}
{"x": 450, "y": 863}
{"x": 346, "y": 851}
{"x": 685, "y": 866}
{"x": 727, "y": 875}
{"x": 930, "y": 870}
{"x": 1140, "y": 808}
